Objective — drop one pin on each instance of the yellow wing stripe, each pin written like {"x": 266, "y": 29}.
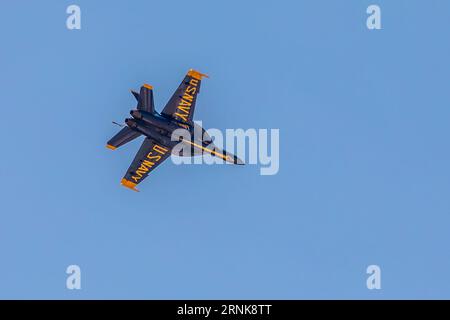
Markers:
{"x": 214, "y": 153}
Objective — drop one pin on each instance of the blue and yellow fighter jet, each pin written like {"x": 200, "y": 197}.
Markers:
{"x": 158, "y": 130}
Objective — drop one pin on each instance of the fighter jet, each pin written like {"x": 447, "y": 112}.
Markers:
{"x": 159, "y": 130}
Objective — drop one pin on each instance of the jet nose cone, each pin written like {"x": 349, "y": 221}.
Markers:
{"x": 234, "y": 160}
{"x": 238, "y": 161}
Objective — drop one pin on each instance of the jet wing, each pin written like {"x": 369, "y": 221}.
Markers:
{"x": 181, "y": 105}
{"x": 150, "y": 155}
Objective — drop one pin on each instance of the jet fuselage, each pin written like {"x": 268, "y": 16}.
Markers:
{"x": 160, "y": 128}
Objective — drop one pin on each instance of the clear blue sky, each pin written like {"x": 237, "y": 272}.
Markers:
{"x": 364, "y": 162}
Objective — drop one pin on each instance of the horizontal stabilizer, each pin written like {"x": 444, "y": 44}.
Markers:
{"x": 125, "y": 135}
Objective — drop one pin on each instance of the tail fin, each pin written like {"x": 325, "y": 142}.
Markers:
{"x": 145, "y": 98}
{"x": 123, "y": 136}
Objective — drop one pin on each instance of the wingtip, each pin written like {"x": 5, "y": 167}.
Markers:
{"x": 128, "y": 184}
{"x": 111, "y": 147}
{"x": 197, "y": 74}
